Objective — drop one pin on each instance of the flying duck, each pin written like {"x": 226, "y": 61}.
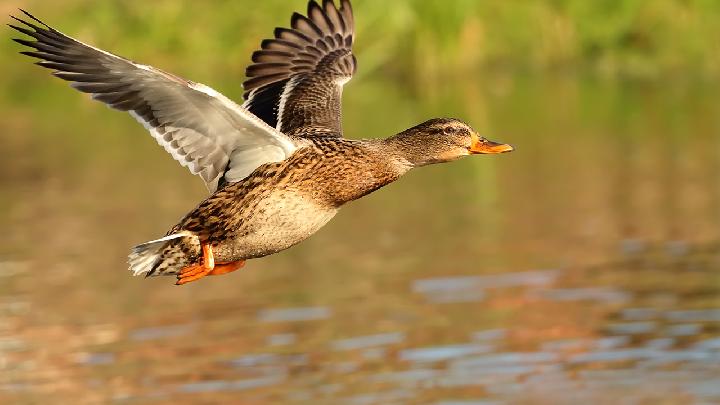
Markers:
{"x": 277, "y": 166}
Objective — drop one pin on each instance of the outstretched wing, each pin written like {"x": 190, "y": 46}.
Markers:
{"x": 202, "y": 129}
{"x": 295, "y": 82}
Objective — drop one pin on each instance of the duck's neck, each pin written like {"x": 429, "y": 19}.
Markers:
{"x": 407, "y": 150}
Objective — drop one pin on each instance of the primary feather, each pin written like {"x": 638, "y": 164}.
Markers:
{"x": 202, "y": 129}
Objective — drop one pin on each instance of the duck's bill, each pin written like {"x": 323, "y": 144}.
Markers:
{"x": 483, "y": 146}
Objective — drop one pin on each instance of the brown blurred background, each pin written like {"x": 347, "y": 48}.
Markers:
{"x": 582, "y": 268}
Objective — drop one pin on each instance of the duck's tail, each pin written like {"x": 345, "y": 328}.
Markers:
{"x": 165, "y": 256}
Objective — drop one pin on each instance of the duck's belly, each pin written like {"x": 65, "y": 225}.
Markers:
{"x": 276, "y": 223}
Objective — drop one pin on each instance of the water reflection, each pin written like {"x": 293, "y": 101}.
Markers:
{"x": 161, "y": 332}
{"x": 363, "y": 342}
{"x": 588, "y": 275}
{"x": 626, "y": 351}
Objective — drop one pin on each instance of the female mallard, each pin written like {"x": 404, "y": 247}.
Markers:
{"x": 278, "y": 167}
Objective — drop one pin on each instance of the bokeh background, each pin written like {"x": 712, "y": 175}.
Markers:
{"x": 580, "y": 269}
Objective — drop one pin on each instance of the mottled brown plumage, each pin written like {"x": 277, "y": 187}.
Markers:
{"x": 278, "y": 167}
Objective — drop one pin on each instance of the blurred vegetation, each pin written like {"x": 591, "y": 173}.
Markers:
{"x": 438, "y": 51}
{"x": 417, "y": 41}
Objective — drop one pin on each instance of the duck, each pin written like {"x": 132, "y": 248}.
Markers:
{"x": 277, "y": 166}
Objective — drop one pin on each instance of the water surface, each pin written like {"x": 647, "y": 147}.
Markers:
{"x": 583, "y": 268}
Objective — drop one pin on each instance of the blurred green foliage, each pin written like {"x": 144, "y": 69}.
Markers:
{"x": 417, "y": 40}
{"x": 438, "y": 51}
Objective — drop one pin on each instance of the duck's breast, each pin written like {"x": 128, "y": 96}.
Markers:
{"x": 280, "y": 220}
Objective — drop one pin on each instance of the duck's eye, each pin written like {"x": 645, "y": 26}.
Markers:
{"x": 447, "y": 130}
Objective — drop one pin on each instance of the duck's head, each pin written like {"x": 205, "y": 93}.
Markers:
{"x": 443, "y": 140}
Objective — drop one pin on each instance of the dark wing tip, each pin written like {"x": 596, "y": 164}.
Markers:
{"x": 295, "y": 15}
{"x": 303, "y": 24}
{"x": 312, "y": 4}
{"x": 312, "y": 7}
{"x": 281, "y": 33}
{"x": 34, "y": 31}
{"x": 37, "y": 20}
{"x": 21, "y": 21}
{"x": 32, "y": 54}
{"x": 15, "y": 27}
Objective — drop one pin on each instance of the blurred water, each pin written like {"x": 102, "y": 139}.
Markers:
{"x": 435, "y": 290}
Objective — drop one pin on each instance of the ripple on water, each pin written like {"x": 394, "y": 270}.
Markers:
{"x": 253, "y": 360}
{"x": 95, "y": 359}
{"x": 504, "y": 382}
{"x": 706, "y": 389}
{"x": 604, "y": 343}
{"x": 378, "y": 397}
{"x": 161, "y": 332}
{"x": 639, "y": 314}
{"x": 409, "y": 376}
{"x": 611, "y": 342}
{"x": 228, "y": 385}
{"x": 709, "y": 344}
{"x": 467, "y": 402}
{"x": 528, "y": 278}
{"x": 632, "y": 328}
{"x": 265, "y": 359}
{"x": 690, "y": 329}
{"x": 440, "y": 353}
{"x": 294, "y": 314}
{"x": 455, "y": 297}
{"x": 603, "y": 356}
{"x": 564, "y": 345}
{"x": 697, "y": 315}
{"x": 362, "y": 342}
{"x": 660, "y": 343}
{"x": 281, "y": 339}
{"x": 601, "y": 294}
{"x": 375, "y": 353}
{"x": 472, "y": 288}
{"x": 493, "y": 361}
{"x": 677, "y": 356}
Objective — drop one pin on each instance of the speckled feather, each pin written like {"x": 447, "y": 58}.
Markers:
{"x": 280, "y": 204}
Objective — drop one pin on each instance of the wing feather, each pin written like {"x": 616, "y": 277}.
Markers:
{"x": 202, "y": 129}
{"x": 295, "y": 81}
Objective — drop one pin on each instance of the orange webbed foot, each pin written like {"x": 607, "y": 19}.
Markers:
{"x": 224, "y": 268}
{"x": 192, "y": 273}
{"x": 198, "y": 271}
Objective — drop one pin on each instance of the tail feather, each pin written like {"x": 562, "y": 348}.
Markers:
{"x": 148, "y": 257}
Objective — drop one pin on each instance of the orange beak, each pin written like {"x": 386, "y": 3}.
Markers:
{"x": 484, "y": 146}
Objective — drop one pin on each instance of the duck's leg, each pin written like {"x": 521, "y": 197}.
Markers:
{"x": 224, "y": 268}
{"x": 198, "y": 271}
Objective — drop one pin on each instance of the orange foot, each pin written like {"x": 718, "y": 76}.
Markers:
{"x": 225, "y": 268}
{"x": 208, "y": 267}
{"x": 198, "y": 271}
